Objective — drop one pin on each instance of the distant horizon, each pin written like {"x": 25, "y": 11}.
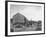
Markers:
{"x": 26, "y": 18}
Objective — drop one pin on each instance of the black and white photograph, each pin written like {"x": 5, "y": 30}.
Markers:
{"x": 25, "y": 18}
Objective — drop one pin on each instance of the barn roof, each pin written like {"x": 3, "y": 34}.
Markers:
{"x": 18, "y": 18}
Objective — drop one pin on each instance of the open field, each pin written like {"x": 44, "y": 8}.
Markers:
{"x": 24, "y": 28}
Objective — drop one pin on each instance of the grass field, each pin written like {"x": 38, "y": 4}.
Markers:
{"x": 33, "y": 28}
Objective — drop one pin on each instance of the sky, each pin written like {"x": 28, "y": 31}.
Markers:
{"x": 29, "y": 11}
